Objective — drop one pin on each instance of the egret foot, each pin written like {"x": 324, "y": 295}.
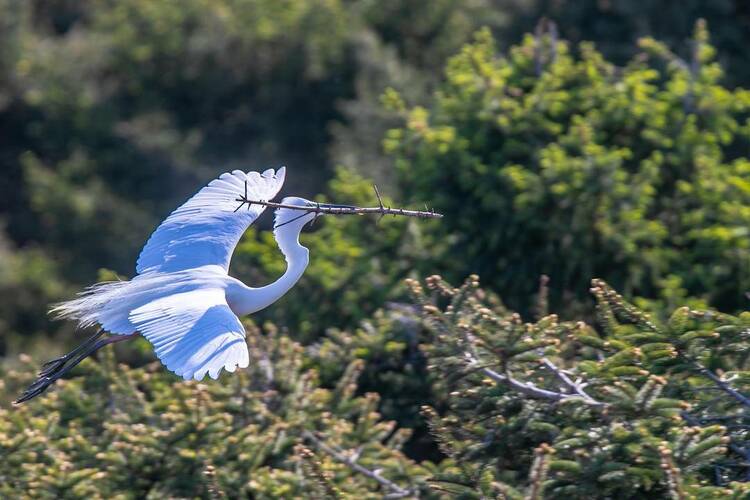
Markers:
{"x": 54, "y": 365}
{"x": 37, "y": 387}
{"x": 56, "y": 368}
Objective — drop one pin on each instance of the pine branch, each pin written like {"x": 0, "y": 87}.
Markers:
{"x": 674, "y": 476}
{"x": 538, "y": 472}
{"x": 212, "y": 485}
{"x": 321, "y": 486}
{"x": 740, "y": 450}
{"x": 396, "y": 490}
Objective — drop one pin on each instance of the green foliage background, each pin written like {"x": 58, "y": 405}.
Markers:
{"x": 611, "y": 143}
{"x": 617, "y": 169}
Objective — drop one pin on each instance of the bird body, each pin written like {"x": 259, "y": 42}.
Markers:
{"x": 183, "y": 300}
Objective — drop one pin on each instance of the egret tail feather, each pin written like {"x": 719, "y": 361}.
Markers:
{"x": 88, "y": 306}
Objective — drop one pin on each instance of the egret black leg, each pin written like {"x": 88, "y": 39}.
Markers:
{"x": 55, "y": 369}
{"x": 56, "y": 364}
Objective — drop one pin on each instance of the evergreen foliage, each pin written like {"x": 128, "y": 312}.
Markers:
{"x": 268, "y": 432}
{"x": 631, "y": 407}
{"x": 550, "y": 409}
{"x": 636, "y": 173}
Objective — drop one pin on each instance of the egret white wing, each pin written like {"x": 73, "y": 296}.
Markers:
{"x": 194, "y": 333}
{"x": 206, "y": 228}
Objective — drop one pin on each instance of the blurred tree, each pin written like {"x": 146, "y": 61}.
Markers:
{"x": 550, "y": 163}
{"x": 113, "y": 112}
{"x": 616, "y": 26}
{"x": 405, "y": 48}
{"x": 424, "y": 34}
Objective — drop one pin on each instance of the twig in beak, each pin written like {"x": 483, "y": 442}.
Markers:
{"x": 322, "y": 208}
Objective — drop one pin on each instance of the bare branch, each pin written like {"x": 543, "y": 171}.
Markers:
{"x": 721, "y": 384}
{"x": 532, "y": 390}
{"x": 576, "y": 386}
{"x": 320, "y": 208}
{"x": 396, "y": 490}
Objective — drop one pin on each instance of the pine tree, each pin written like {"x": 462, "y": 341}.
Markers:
{"x": 551, "y": 409}
{"x": 267, "y": 432}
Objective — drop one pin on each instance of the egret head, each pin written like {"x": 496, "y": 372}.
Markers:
{"x": 296, "y": 219}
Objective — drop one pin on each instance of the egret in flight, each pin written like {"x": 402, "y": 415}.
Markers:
{"x": 182, "y": 299}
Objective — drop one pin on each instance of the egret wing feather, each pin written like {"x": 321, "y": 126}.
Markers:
{"x": 193, "y": 333}
{"x": 206, "y": 228}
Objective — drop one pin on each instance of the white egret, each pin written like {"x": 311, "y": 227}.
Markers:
{"x": 182, "y": 299}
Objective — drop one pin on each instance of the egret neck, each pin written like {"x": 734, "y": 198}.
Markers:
{"x": 250, "y": 300}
